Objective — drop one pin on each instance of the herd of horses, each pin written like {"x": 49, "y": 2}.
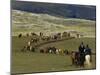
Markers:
{"x": 38, "y": 40}
{"x": 41, "y": 38}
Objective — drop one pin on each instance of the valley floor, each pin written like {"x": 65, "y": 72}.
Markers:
{"x": 29, "y": 62}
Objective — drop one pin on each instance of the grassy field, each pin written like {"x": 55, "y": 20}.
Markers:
{"x": 26, "y": 62}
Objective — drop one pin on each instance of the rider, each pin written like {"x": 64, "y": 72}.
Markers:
{"x": 82, "y": 55}
{"x": 81, "y": 48}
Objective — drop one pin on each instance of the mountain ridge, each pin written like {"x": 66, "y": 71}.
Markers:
{"x": 58, "y": 10}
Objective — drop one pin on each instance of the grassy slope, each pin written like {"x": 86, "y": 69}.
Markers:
{"x": 36, "y": 62}
{"x": 31, "y": 22}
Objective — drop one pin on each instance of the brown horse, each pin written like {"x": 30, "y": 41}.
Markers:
{"x": 75, "y": 58}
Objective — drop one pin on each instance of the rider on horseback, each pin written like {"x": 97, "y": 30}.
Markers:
{"x": 87, "y": 51}
{"x": 82, "y": 55}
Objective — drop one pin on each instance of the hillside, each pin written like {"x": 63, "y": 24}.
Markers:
{"x": 54, "y": 9}
{"x": 23, "y": 22}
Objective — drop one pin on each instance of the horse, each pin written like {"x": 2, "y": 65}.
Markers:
{"x": 52, "y": 50}
{"x": 87, "y": 52}
{"x": 44, "y": 50}
{"x": 66, "y": 52}
{"x": 61, "y": 51}
{"x": 32, "y": 49}
{"x": 57, "y": 51}
{"x": 20, "y": 35}
{"x": 75, "y": 56}
{"x": 24, "y": 49}
{"x": 88, "y": 60}
{"x": 41, "y": 50}
{"x": 28, "y": 48}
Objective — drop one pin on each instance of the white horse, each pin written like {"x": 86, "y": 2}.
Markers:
{"x": 50, "y": 51}
{"x": 87, "y": 60}
{"x": 57, "y": 51}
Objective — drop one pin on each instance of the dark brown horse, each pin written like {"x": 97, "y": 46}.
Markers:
{"x": 20, "y": 35}
{"x": 75, "y": 56}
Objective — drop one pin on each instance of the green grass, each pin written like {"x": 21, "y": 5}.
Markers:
{"x": 36, "y": 62}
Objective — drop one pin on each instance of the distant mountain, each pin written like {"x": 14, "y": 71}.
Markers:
{"x": 59, "y": 10}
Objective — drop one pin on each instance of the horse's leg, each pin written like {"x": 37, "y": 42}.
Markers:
{"x": 81, "y": 61}
{"x": 90, "y": 58}
{"x": 72, "y": 61}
